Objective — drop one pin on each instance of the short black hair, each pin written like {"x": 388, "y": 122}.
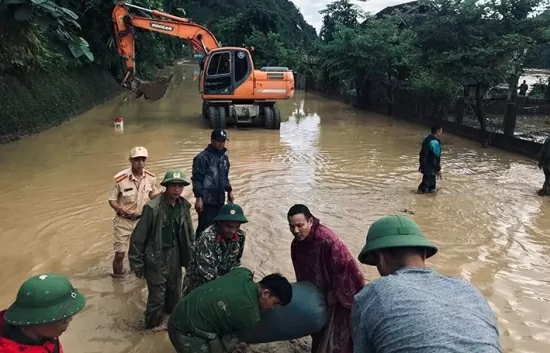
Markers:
{"x": 299, "y": 209}
{"x": 436, "y": 128}
{"x": 279, "y": 286}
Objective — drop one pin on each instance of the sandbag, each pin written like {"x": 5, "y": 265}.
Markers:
{"x": 305, "y": 314}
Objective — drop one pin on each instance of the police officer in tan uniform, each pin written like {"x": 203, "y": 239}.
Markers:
{"x": 131, "y": 189}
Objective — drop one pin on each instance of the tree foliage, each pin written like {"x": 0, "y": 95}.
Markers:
{"x": 25, "y": 26}
{"x": 438, "y": 50}
{"x": 36, "y": 34}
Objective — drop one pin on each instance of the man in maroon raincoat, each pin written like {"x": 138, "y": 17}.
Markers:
{"x": 319, "y": 256}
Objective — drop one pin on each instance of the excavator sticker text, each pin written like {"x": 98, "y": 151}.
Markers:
{"x": 161, "y": 26}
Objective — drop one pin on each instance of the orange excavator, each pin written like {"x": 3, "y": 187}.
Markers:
{"x": 232, "y": 90}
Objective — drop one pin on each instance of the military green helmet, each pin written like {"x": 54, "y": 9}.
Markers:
{"x": 394, "y": 232}
{"x": 231, "y": 212}
{"x": 174, "y": 176}
{"x": 45, "y": 299}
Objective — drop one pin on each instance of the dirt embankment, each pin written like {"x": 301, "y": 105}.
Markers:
{"x": 35, "y": 102}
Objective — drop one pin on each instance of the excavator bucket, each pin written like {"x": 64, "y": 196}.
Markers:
{"x": 154, "y": 90}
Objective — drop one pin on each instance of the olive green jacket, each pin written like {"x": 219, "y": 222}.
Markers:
{"x": 145, "y": 251}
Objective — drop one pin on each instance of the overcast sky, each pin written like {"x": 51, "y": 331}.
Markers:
{"x": 310, "y": 8}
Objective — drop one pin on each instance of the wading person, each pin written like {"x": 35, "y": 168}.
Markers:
{"x": 523, "y": 88}
{"x": 161, "y": 245}
{"x": 211, "y": 180}
{"x": 412, "y": 308}
{"x": 131, "y": 189}
{"x": 430, "y": 160}
{"x": 209, "y": 318}
{"x": 218, "y": 250}
{"x": 319, "y": 256}
{"x": 41, "y": 313}
{"x": 544, "y": 164}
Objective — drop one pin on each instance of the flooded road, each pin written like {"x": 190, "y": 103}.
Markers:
{"x": 349, "y": 167}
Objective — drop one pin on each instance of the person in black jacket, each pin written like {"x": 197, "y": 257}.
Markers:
{"x": 430, "y": 160}
{"x": 211, "y": 180}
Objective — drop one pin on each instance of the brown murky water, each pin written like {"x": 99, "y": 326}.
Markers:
{"x": 350, "y": 167}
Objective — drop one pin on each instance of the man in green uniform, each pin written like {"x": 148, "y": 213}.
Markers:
{"x": 544, "y": 164}
{"x": 41, "y": 313}
{"x": 218, "y": 250}
{"x": 161, "y": 244}
{"x": 209, "y": 318}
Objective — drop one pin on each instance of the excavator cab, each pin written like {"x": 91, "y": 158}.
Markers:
{"x": 224, "y": 70}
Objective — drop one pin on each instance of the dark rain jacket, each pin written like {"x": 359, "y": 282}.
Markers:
{"x": 211, "y": 176}
{"x": 430, "y": 163}
{"x": 145, "y": 251}
{"x": 544, "y": 154}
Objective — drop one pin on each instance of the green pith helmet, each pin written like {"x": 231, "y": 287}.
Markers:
{"x": 231, "y": 212}
{"x": 44, "y": 299}
{"x": 394, "y": 232}
{"x": 174, "y": 176}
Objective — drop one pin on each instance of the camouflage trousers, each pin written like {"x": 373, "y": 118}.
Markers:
{"x": 189, "y": 343}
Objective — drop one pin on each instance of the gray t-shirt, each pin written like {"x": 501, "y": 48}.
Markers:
{"x": 418, "y": 310}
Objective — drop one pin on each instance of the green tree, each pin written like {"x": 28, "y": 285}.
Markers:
{"x": 340, "y": 11}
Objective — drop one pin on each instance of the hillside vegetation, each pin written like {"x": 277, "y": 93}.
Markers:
{"x": 46, "y": 42}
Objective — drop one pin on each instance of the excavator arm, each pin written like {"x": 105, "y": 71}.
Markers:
{"x": 125, "y": 23}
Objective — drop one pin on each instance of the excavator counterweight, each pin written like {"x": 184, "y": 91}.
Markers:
{"x": 233, "y": 92}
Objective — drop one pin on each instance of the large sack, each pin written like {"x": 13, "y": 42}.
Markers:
{"x": 305, "y": 314}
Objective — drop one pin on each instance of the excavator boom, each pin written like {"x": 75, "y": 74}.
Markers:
{"x": 125, "y": 23}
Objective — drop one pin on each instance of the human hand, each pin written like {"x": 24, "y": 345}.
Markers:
{"x": 121, "y": 211}
{"x": 439, "y": 175}
{"x": 230, "y": 197}
{"x": 199, "y": 206}
{"x": 139, "y": 274}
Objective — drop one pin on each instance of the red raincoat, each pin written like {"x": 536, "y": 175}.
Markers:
{"x": 9, "y": 346}
{"x": 324, "y": 259}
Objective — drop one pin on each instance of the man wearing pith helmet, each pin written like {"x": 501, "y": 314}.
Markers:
{"x": 161, "y": 245}
{"x": 412, "y": 308}
{"x": 218, "y": 250}
{"x": 42, "y": 311}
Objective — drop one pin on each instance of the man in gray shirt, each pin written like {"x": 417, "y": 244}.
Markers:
{"x": 411, "y": 308}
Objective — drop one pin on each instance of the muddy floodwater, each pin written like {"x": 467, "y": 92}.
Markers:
{"x": 350, "y": 167}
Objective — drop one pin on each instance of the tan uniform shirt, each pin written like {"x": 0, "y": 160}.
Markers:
{"x": 132, "y": 193}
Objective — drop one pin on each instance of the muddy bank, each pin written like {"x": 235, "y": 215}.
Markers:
{"x": 36, "y": 102}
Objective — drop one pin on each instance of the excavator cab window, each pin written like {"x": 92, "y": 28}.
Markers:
{"x": 218, "y": 74}
{"x": 242, "y": 66}
{"x": 226, "y": 70}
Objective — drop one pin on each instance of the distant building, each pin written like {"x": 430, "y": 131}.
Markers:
{"x": 405, "y": 8}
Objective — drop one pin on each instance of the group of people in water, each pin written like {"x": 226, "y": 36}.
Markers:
{"x": 410, "y": 308}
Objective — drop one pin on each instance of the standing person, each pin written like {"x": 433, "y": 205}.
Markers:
{"x": 218, "y": 250}
{"x": 209, "y": 318}
{"x": 130, "y": 190}
{"x": 161, "y": 245}
{"x": 412, "y": 308}
{"x": 211, "y": 180}
{"x": 319, "y": 256}
{"x": 523, "y": 88}
{"x": 42, "y": 311}
{"x": 430, "y": 160}
{"x": 544, "y": 164}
